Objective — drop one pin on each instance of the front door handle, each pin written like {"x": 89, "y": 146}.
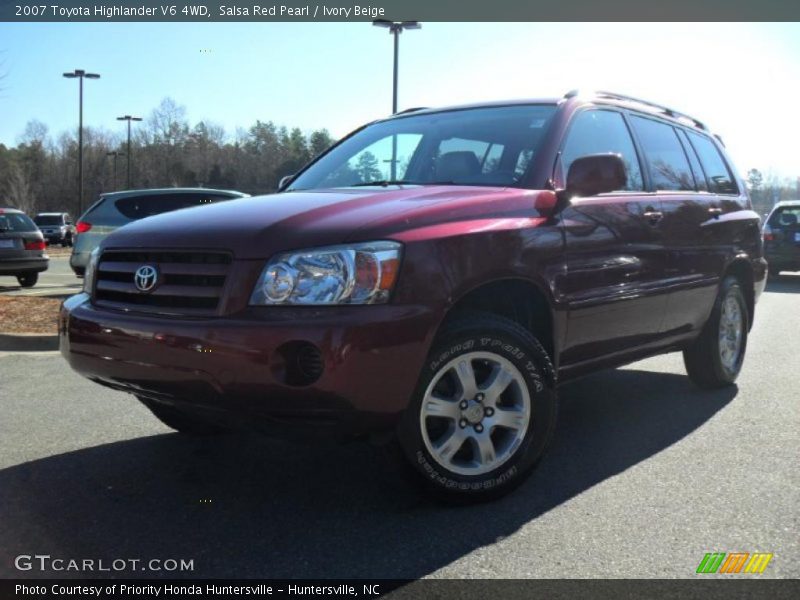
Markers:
{"x": 715, "y": 211}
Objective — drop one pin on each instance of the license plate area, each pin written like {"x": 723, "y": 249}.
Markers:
{"x": 797, "y": 236}
{"x": 7, "y": 244}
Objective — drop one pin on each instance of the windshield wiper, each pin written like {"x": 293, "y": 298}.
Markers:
{"x": 384, "y": 183}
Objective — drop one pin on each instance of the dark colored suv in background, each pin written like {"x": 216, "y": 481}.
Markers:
{"x": 782, "y": 237}
{"x": 22, "y": 247}
{"x": 113, "y": 210}
{"x": 436, "y": 273}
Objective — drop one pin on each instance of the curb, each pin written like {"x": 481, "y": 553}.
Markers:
{"x": 28, "y": 342}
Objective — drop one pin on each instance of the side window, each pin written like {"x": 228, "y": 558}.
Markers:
{"x": 669, "y": 167}
{"x": 720, "y": 179}
{"x": 374, "y": 163}
{"x": 697, "y": 169}
{"x": 602, "y": 132}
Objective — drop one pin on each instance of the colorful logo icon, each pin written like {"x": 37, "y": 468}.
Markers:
{"x": 734, "y": 562}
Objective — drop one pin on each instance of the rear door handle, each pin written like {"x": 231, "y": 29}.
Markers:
{"x": 652, "y": 216}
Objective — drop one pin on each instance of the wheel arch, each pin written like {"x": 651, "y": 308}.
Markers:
{"x": 515, "y": 298}
{"x": 742, "y": 270}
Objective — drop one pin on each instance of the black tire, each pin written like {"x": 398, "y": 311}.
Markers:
{"x": 703, "y": 359}
{"x": 180, "y": 421}
{"x": 512, "y": 343}
{"x": 27, "y": 280}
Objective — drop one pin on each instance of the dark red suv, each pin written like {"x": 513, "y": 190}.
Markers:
{"x": 436, "y": 273}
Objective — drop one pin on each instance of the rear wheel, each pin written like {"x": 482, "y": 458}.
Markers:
{"x": 483, "y": 412}
{"x": 27, "y": 280}
{"x": 715, "y": 358}
{"x": 180, "y": 421}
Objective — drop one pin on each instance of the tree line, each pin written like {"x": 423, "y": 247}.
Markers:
{"x": 40, "y": 173}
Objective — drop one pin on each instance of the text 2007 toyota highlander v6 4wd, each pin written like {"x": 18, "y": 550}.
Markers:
{"x": 437, "y": 272}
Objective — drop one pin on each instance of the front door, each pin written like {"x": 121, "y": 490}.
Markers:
{"x": 615, "y": 257}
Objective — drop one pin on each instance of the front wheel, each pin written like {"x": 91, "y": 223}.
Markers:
{"x": 484, "y": 409}
{"x": 715, "y": 358}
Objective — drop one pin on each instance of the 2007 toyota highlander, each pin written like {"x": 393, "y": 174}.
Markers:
{"x": 436, "y": 273}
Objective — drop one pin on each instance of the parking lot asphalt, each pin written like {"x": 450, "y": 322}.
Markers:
{"x": 646, "y": 475}
{"x": 57, "y": 282}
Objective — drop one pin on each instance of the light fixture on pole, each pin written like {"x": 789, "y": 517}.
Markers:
{"x": 129, "y": 118}
{"x": 80, "y": 74}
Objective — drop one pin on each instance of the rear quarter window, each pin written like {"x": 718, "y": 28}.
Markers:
{"x": 719, "y": 175}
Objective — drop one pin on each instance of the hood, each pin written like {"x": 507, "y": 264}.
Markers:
{"x": 260, "y": 226}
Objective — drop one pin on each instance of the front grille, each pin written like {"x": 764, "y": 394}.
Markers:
{"x": 187, "y": 283}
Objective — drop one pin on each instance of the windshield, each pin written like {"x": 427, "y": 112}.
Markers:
{"x": 48, "y": 220}
{"x": 479, "y": 146}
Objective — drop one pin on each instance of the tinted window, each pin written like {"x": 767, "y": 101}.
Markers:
{"x": 481, "y": 146}
{"x": 787, "y": 216}
{"x": 16, "y": 222}
{"x": 720, "y": 179}
{"x": 602, "y": 132}
{"x": 669, "y": 167}
{"x": 139, "y": 207}
{"x": 697, "y": 169}
{"x": 48, "y": 220}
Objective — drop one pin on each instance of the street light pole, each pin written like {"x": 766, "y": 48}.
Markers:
{"x": 115, "y": 154}
{"x": 129, "y": 118}
{"x": 395, "y": 28}
{"x": 80, "y": 74}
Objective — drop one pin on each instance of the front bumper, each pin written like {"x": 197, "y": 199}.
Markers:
{"x": 232, "y": 369}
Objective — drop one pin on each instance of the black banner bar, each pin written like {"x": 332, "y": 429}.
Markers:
{"x": 208, "y": 11}
{"x": 733, "y": 588}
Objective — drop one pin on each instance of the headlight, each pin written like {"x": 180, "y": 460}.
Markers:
{"x": 352, "y": 274}
{"x": 88, "y": 274}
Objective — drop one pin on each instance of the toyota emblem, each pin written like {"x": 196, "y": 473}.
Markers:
{"x": 145, "y": 278}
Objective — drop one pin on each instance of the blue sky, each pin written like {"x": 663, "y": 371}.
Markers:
{"x": 338, "y": 75}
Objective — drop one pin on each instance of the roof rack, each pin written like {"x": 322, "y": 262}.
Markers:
{"x": 663, "y": 109}
{"x": 409, "y": 110}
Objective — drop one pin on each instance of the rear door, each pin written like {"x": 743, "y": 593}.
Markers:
{"x": 614, "y": 253}
{"x": 691, "y": 272}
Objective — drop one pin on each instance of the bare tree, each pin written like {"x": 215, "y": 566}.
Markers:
{"x": 18, "y": 189}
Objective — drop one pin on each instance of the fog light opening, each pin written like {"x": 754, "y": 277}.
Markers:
{"x": 298, "y": 363}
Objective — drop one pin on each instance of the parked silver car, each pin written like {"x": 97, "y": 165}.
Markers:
{"x": 116, "y": 209}
{"x": 56, "y": 227}
{"x": 22, "y": 247}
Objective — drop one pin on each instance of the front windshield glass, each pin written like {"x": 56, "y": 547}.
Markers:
{"x": 480, "y": 146}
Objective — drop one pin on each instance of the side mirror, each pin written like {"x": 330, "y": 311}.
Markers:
{"x": 285, "y": 181}
{"x": 596, "y": 174}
